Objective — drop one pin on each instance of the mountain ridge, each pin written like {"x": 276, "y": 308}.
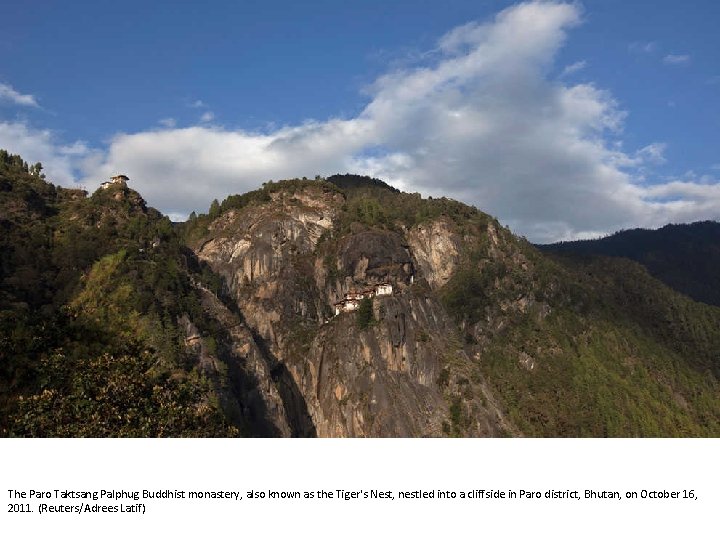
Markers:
{"x": 231, "y": 315}
{"x": 684, "y": 256}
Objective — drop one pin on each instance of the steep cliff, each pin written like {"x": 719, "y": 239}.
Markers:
{"x": 481, "y": 335}
{"x": 288, "y": 260}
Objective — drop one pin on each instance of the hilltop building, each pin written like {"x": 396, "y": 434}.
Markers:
{"x": 120, "y": 180}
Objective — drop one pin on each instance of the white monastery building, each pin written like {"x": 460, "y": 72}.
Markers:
{"x": 120, "y": 179}
{"x": 351, "y": 302}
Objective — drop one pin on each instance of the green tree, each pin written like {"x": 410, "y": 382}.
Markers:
{"x": 365, "y": 313}
{"x": 36, "y": 170}
{"x": 214, "y": 209}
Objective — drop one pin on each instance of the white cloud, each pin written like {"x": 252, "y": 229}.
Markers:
{"x": 652, "y": 154}
{"x": 8, "y": 93}
{"x": 168, "y": 122}
{"x": 646, "y": 47}
{"x": 482, "y": 121}
{"x": 207, "y": 116}
{"x": 573, "y": 68}
{"x": 62, "y": 162}
{"x": 181, "y": 170}
{"x": 198, "y": 104}
{"x": 676, "y": 59}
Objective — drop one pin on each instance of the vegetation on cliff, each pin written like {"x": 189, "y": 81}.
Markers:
{"x": 90, "y": 294}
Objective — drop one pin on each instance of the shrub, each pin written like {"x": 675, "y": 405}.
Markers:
{"x": 365, "y": 313}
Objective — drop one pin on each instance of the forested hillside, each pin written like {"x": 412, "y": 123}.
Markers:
{"x": 685, "y": 257}
{"x": 91, "y": 289}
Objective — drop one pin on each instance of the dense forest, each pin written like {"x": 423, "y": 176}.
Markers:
{"x": 685, "y": 257}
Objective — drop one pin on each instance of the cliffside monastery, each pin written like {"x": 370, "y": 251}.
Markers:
{"x": 352, "y": 299}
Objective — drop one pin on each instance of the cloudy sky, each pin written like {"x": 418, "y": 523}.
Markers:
{"x": 565, "y": 120}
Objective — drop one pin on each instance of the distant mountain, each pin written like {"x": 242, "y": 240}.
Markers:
{"x": 685, "y": 257}
{"x": 330, "y": 307}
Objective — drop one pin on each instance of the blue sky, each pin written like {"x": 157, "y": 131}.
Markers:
{"x": 200, "y": 101}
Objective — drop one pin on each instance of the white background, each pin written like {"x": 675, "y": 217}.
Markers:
{"x": 309, "y": 465}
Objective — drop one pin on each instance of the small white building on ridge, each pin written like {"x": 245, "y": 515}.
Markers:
{"x": 120, "y": 179}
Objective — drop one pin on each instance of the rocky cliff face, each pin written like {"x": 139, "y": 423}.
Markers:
{"x": 242, "y": 377}
{"x": 396, "y": 378}
{"x": 437, "y": 250}
{"x": 286, "y": 262}
{"x": 482, "y": 335}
